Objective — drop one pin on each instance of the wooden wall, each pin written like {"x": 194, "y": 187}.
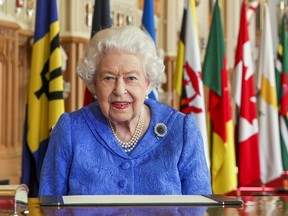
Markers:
{"x": 15, "y": 57}
{"x": 15, "y": 53}
{"x": 74, "y": 48}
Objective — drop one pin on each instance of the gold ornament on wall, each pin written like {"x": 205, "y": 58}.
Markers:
{"x": 120, "y": 19}
{"x": 30, "y": 8}
{"x": 129, "y": 20}
{"x": 89, "y": 14}
{"x": 20, "y": 3}
{"x": 19, "y": 6}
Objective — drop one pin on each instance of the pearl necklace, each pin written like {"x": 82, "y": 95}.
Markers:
{"x": 131, "y": 144}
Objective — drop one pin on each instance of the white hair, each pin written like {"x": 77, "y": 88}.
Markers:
{"x": 128, "y": 39}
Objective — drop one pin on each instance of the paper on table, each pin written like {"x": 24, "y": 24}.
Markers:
{"x": 128, "y": 200}
{"x": 137, "y": 199}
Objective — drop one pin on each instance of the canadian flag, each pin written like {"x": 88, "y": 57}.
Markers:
{"x": 244, "y": 96}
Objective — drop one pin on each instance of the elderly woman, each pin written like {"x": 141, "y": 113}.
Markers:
{"x": 124, "y": 143}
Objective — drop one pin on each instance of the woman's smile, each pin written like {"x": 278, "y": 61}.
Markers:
{"x": 121, "y": 105}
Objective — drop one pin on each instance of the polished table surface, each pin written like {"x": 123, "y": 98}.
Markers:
{"x": 252, "y": 205}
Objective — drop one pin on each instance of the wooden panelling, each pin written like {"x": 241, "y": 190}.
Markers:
{"x": 14, "y": 70}
{"x": 15, "y": 57}
{"x": 74, "y": 48}
{"x": 156, "y": 6}
{"x": 168, "y": 86}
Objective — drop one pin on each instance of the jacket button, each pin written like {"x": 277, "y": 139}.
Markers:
{"x": 125, "y": 165}
{"x": 122, "y": 183}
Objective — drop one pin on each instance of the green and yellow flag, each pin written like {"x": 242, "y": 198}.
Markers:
{"x": 282, "y": 91}
{"x": 45, "y": 101}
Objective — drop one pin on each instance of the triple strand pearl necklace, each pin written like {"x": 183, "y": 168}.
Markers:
{"x": 131, "y": 144}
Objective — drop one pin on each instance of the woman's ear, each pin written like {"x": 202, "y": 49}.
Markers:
{"x": 149, "y": 88}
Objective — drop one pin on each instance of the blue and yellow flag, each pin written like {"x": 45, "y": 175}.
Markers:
{"x": 45, "y": 101}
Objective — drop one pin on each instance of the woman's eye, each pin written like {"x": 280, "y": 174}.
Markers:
{"x": 131, "y": 78}
{"x": 109, "y": 78}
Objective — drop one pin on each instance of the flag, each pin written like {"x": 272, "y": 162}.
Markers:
{"x": 45, "y": 101}
{"x": 269, "y": 140}
{"x": 282, "y": 90}
{"x": 244, "y": 95}
{"x": 251, "y": 10}
{"x": 178, "y": 73}
{"x": 101, "y": 20}
{"x": 192, "y": 100}
{"x": 148, "y": 26}
{"x": 215, "y": 77}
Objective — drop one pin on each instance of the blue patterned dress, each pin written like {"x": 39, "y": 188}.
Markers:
{"x": 83, "y": 157}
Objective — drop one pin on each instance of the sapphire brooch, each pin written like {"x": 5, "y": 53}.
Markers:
{"x": 160, "y": 129}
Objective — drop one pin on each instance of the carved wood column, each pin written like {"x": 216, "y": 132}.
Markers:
{"x": 74, "y": 48}
{"x": 13, "y": 83}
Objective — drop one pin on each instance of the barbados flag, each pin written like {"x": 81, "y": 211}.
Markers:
{"x": 45, "y": 101}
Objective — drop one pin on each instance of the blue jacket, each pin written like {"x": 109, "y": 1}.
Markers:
{"x": 83, "y": 157}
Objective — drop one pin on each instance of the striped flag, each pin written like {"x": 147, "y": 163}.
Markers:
{"x": 148, "y": 26}
{"x": 282, "y": 90}
{"x": 178, "y": 73}
{"x": 215, "y": 77}
{"x": 244, "y": 94}
{"x": 101, "y": 20}
{"x": 269, "y": 140}
{"x": 189, "y": 65}
{"x": 45, "y": 101}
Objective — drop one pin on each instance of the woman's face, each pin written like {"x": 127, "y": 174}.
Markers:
{"x": 121, "y": 86}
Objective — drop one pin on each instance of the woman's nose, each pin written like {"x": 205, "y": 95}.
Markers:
{"x": 120, "y": 87}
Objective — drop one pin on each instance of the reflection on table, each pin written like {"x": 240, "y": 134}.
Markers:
{"x": 252, "y": 205}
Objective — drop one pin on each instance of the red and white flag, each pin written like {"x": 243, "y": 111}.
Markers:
{"x": 244, "y": 95}
{"x": 192, "y": 97}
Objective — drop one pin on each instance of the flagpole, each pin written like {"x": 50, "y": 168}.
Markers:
{"x": 285, "y": 180}
{"x": 263, "y": 186}
{"x": 262, "y": 14}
